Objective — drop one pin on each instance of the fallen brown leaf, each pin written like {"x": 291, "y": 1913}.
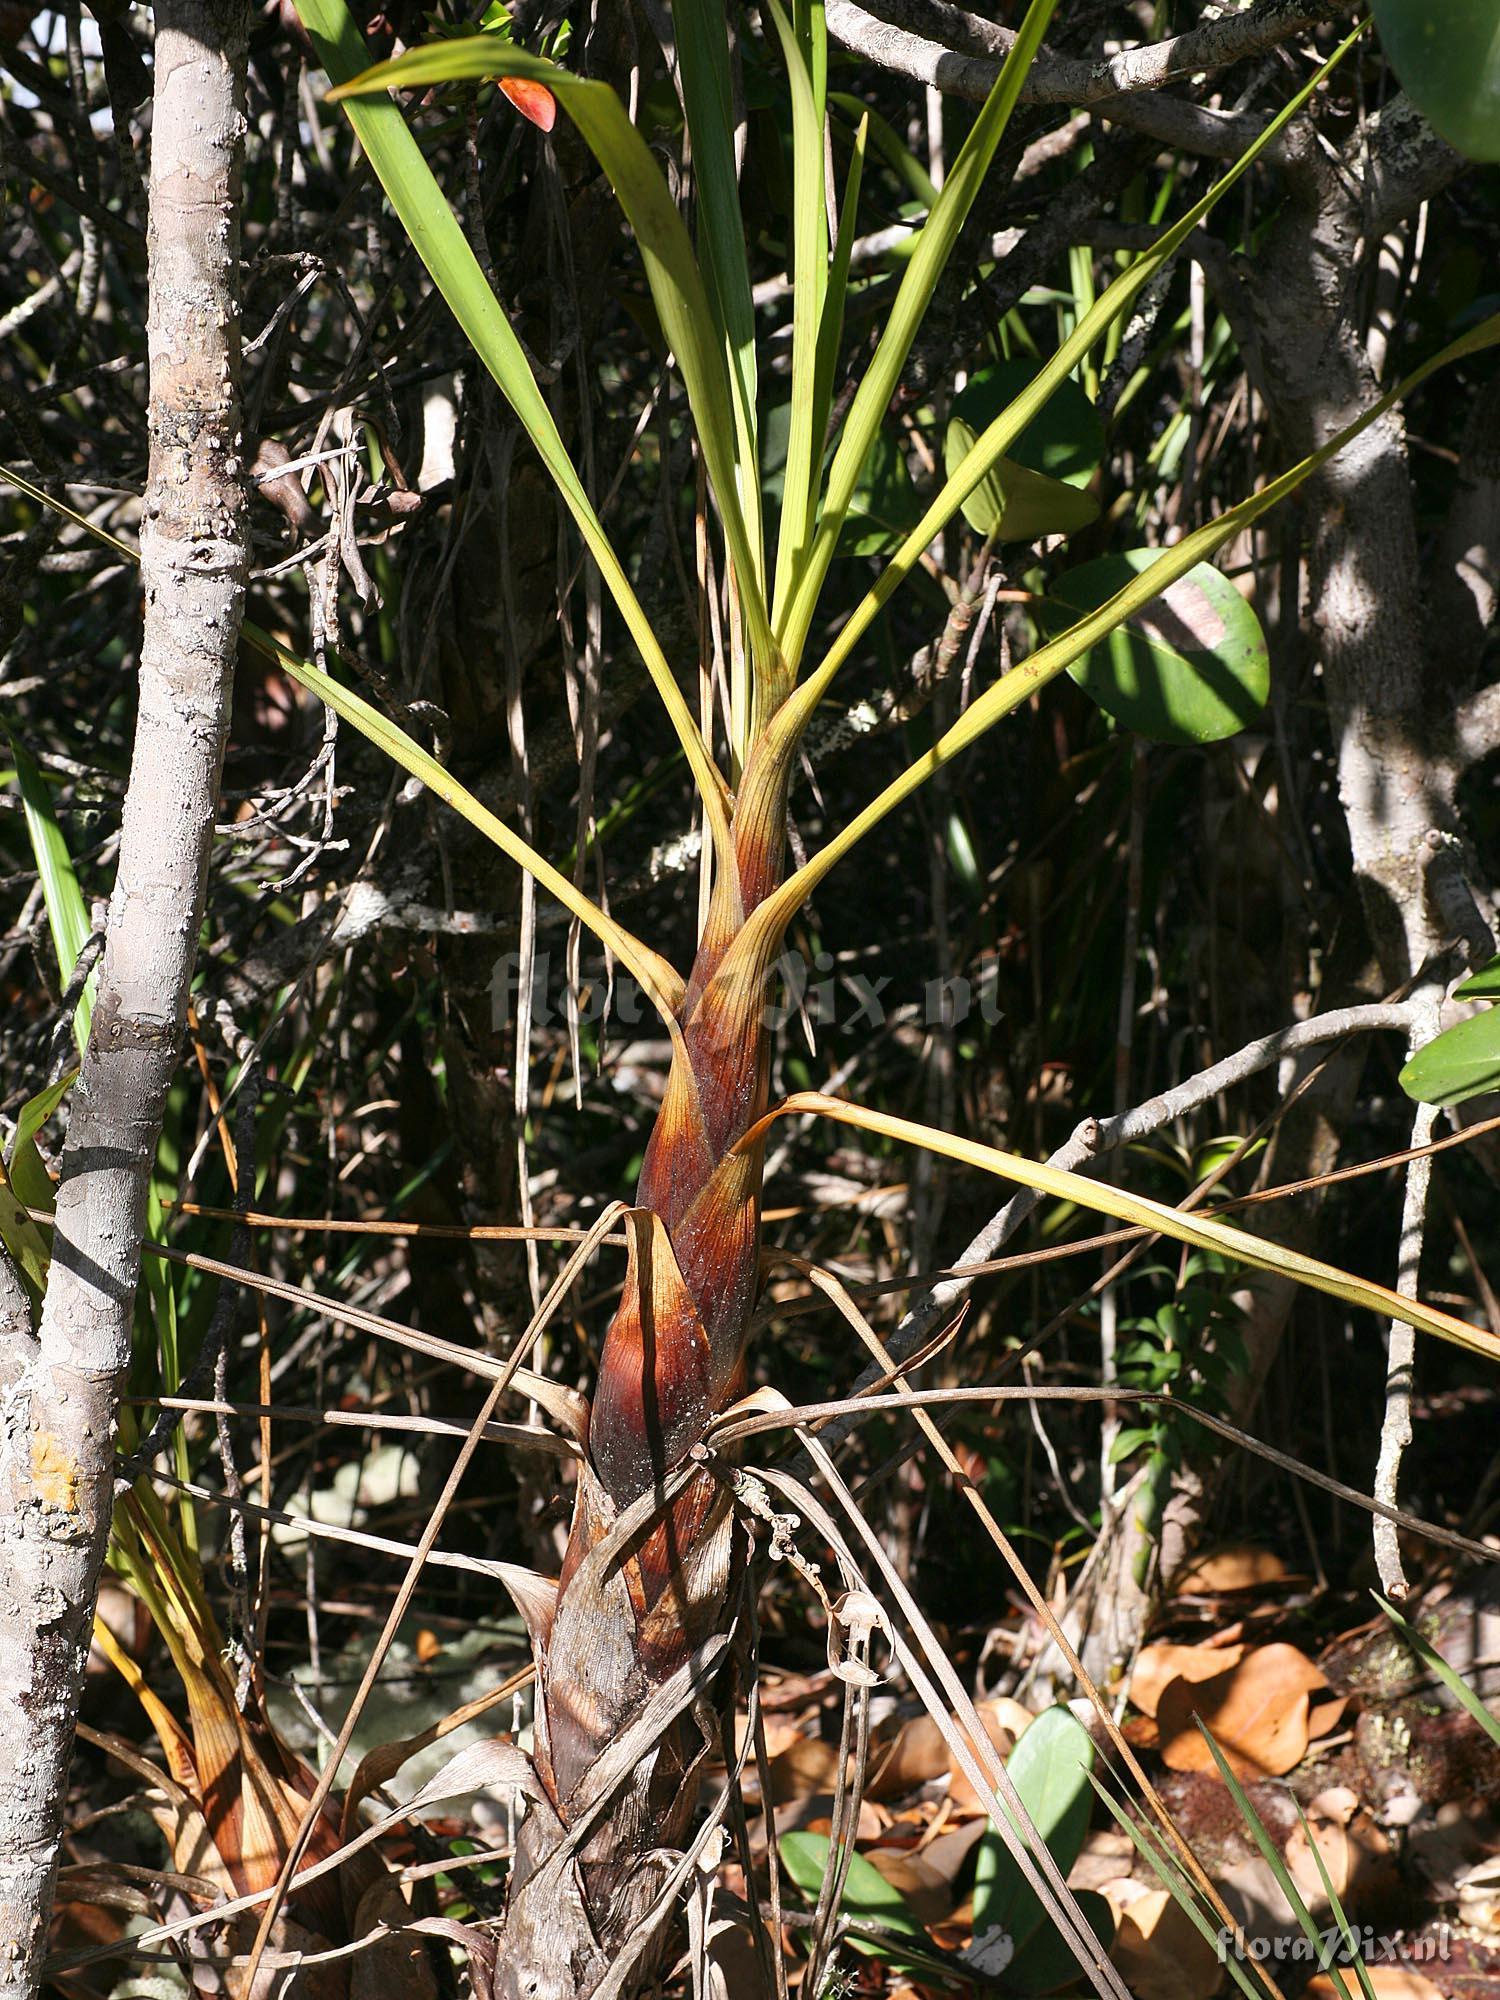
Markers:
{"x": 1159, "y": 1953}
{"x": 806, "y": 1766}
{"x": 913, "y": 1756}
{"x": 926, "y": 1889}
{"x": 1004, "y": 1722}
{"x": 1257, "y": 1713}
{"x": 1238, "y": 1568}
{"x": 1391, "y": 1982}
{"x": 1161, "y": 1664}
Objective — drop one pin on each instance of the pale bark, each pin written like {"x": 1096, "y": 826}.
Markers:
{"x": 57, "y": 1422}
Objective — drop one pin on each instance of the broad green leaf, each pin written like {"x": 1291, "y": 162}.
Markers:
{"x": 24, "y": 1242}
{"x": 868, "y": 1897}
{"x": 1450, "y": 1676}
{"x": 929, "y": 260}
{"x": 434, "y": 230}
{"x": 1190, "y": 666}
{"x": 1481, "y": 985}
{"x": 1016, "y": 504}
{"x": 1047, "y": 1961}
{"x": 67, "y": 913}
{"x": 1049, "y": 1768}
{"x": 1462, "y": 1062}
{"x": 1065, "y": 439}
{"x": 1447, "y": 58}
{"x": 671, "y": 269}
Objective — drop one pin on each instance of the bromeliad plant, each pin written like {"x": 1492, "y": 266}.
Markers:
{"x": 632, "y": 1642}
{"x": 649, "y": 1586}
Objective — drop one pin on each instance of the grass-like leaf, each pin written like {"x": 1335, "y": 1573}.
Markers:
{"x": 1058, "y": 654}
{"x": 1177, "y": 1886}
{"x": 995, "y": 441}
{"x": 703, "y": 55}
{"x": 1271, "y": 1855}
{"x": 804, "y": 453}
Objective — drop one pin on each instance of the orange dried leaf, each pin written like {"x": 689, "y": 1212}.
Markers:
{"x": 1391, "y": 1982}
{"x": 1240, "y": 1568}
{"x": 1160, "y": 1664}
{"x": 1257, "y": 1712}
{"x": 533, "y": 100}
{"x": 1159, "y": 1953}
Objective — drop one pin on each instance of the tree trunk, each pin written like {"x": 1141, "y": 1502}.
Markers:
{"x": 58, "y": 1421}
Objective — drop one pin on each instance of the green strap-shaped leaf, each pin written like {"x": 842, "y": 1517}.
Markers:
{"x": 1204, "y": 1232}
{"x": 831, "y": 325}
{"x": 1048, "y": 661}
{"x": 914, "y": 295}
{"x": 671, "y": 268}
{"x": 703, "y": 53}
{"x": 662, "y": 983}
{"x": 1446, "y": 1673}
{"x": 1000, "y": 436}
{"x": 435, "y": 233}
{"x": 889, "y": 145}
{"x": 804, "y": 455}
{"x": 67, "y": 913}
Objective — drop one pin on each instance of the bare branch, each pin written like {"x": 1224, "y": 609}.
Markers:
{"x": 940, "y": 45}
{"x": 1401, "y": 1341}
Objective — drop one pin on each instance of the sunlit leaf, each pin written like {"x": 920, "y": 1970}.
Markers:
{"x": 1061, "y": 448}
{"x": 533, "y": 100}
{"x": 1481, "y": 985}
{"x": 1447, "y": 1674}
{"x": 435, "y": 233}
{"x": 1462, "y": 1062}
{"x": 1448, "y": 61}
{"x": 1049, "y": 1768}
{"x": 671, "y": 268}
{"x": 1189, "y": 666}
